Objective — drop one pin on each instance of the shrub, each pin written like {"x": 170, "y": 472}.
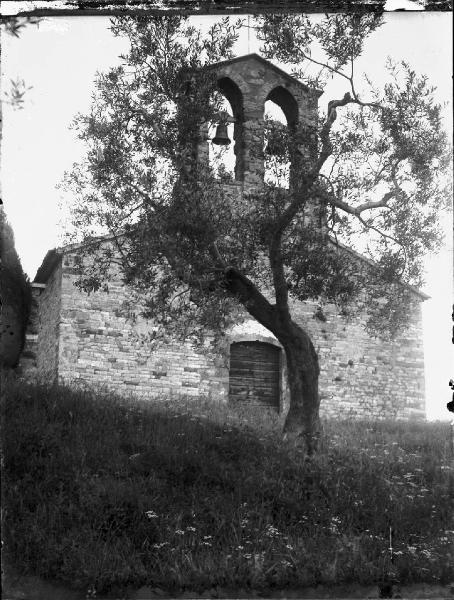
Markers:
{"x": 16, "y": 298}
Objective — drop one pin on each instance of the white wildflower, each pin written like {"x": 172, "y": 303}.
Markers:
{"x": 272, "y": 531}
{"x": 335, "y": 522}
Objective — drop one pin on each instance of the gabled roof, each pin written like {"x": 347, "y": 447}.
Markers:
{"x": 51, "y": 260}
{"x": 370, "y": 262}
{"x": 53, "y": 257}
{"x": 269, "y": 65}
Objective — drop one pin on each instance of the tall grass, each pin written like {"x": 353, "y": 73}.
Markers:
{"x": 101, "y": 491}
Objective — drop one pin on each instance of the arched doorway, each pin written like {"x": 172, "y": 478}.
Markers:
{"x": 254, "y": 376}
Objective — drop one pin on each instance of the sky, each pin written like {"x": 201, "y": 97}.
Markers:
{"x": 58, "y": 61}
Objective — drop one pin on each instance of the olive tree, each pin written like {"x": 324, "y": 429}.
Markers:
{"x": 195, "y": 254}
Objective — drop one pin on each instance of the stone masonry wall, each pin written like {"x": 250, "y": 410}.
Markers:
{"x": 363, "y": 376}
{"x": 28, "y": 364}
{"x": 43, "y": 335}
{"x": 100, "y": 344}
{"x": 360, "y": 376}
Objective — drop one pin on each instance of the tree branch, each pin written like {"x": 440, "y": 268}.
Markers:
{"x": 245, "y": 291}
{"x": 357, "y": 210}
{"x": 326, "y": 129}
{"x": 216, "y": 256}
{"x": 177, "y": 295}
{"x": 349, "y": 78}
{"x": 325, "y": 66}
{"x": 250, "y": 297}
{"x": 389, "y": 237}
{"x": 147, "y": 197}
{"x": 280, "y": 284}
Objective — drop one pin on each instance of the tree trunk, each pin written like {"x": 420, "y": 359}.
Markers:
{"x": 302, "y": 422}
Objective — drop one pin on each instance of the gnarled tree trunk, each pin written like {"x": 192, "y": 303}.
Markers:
{"x": 302, "y": 422}
{"x": 303, "y": 370}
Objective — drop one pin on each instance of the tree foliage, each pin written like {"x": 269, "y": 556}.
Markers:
{"x": 14, "y": 290}
{"x": 12, "y": 25}
{"x": 380, "y": 170}
{"x": 373, "y": 178}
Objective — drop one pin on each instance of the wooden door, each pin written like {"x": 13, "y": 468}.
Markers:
{"x": 255, "y": 373}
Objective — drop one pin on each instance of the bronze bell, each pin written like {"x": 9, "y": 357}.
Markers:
{"x": 221, "y": 138}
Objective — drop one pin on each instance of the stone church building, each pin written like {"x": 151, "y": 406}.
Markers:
{"x": 82, "y": 339}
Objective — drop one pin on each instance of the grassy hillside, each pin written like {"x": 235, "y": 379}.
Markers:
{"x": 104, "y": 493}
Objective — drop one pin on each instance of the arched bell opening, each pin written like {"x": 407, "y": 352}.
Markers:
{"x": 225, "y": 134}
{"x": 281, "y": 118}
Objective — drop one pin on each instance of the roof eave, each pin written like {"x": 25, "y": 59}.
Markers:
{"x": 269, "y": 64}
{"x": 414, "y": 289}
{"x": 48, "y": 266}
